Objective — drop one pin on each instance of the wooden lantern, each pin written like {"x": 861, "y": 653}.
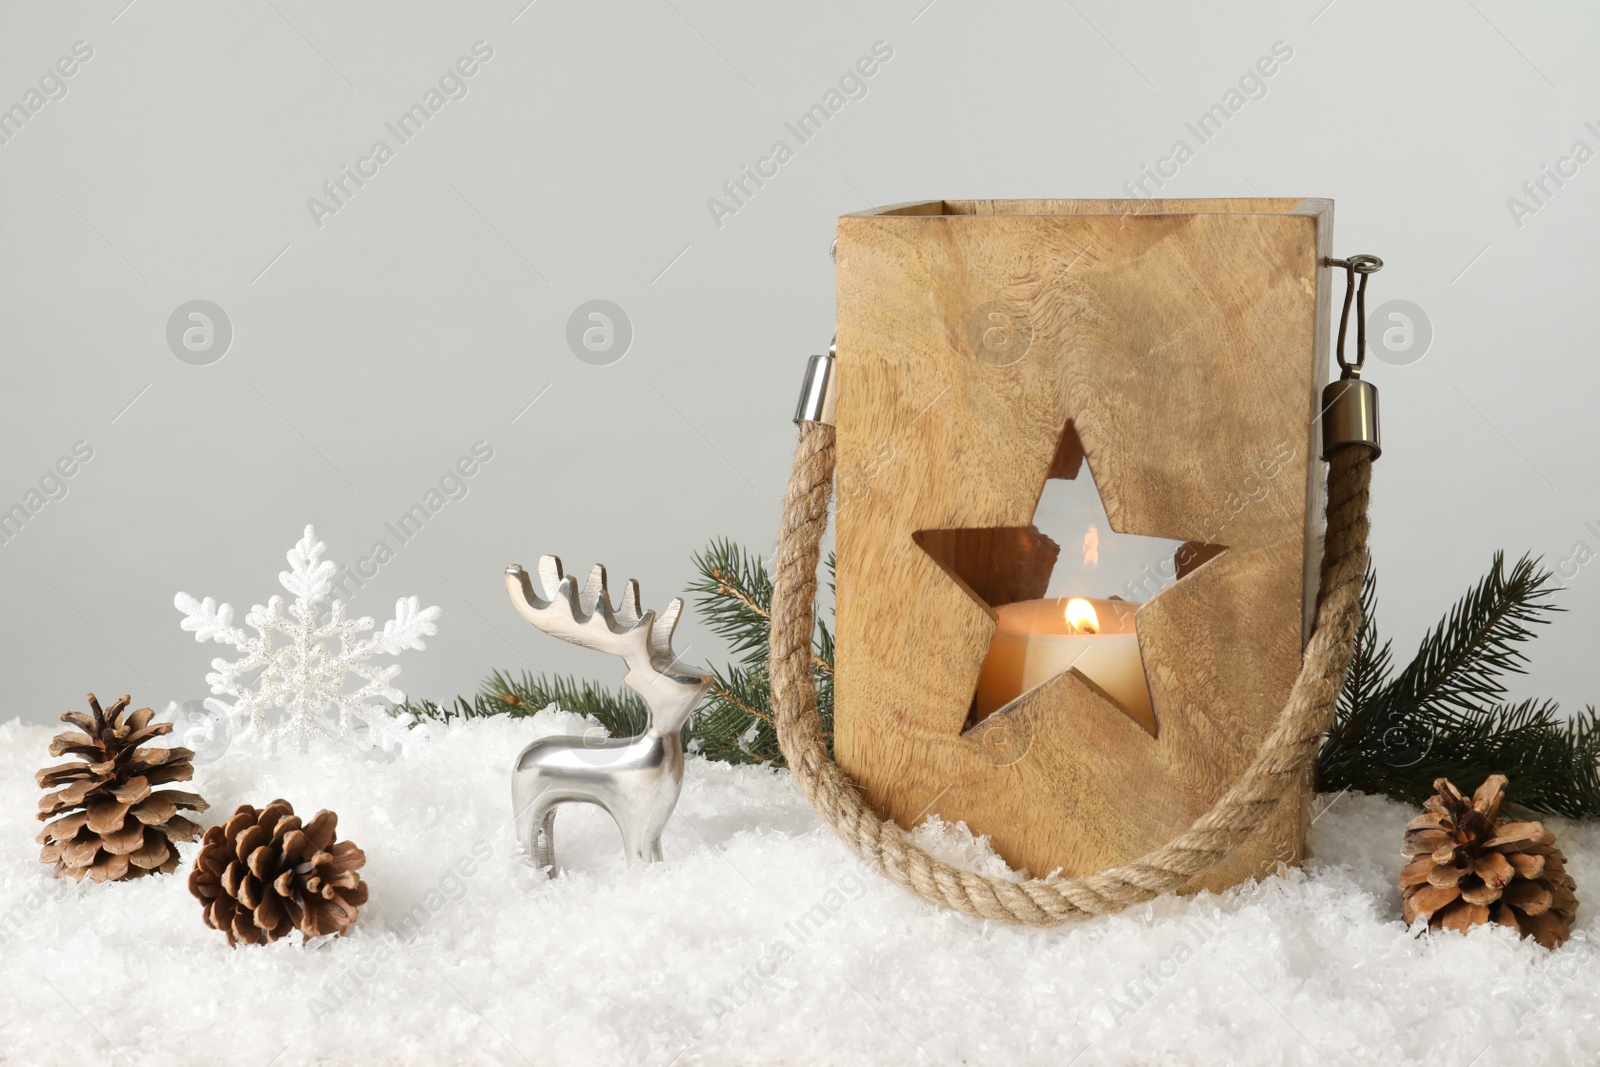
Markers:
{"x": 1173, "y": 350}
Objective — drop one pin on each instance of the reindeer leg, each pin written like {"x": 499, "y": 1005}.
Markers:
{"x": 536, "y": 826}
{"x": 636, "y": 842}
{"x": 542, "y": 847}
{"x": 535, "y": 815}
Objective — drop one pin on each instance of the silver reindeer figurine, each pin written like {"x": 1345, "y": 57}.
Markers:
{"x": 635, "y": 779}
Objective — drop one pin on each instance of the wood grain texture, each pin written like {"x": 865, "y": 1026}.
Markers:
{"x": 1185, "y": 342}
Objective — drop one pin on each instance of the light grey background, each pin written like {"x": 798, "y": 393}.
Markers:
{"x": 370, "y": 353}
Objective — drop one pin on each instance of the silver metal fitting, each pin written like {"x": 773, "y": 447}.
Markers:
{"x": 1350, "y": 416}
{"x": 819, "y": 390}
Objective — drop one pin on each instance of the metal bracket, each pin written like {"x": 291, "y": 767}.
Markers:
{"x": 1350, "y": 416}
{"x": 819, "y": 390}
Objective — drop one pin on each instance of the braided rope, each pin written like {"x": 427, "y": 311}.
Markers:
{"x": 1285, "y": 755}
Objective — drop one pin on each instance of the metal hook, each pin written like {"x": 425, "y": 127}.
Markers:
{"x": 1350, "y": 405}
{"x": 1364, "y": 265}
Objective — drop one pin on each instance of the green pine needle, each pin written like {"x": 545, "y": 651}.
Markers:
{"x": 623, "y": 715}
{"x": 735, "y": 597}
{"x": 1460, "y": 664}
{"x": 1444, "y": 714}
{"x": 734, "y": 724}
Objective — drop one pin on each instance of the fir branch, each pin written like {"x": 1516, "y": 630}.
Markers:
{"x": 1372, "y": 663}
{"x": 1370, "y": 666}
{"x": 735, "y": 596}
{"x": 1460, "y": 664}
{"x": 1553, "y": 763}
{"x": 823, "y": 659}
{"x": 622, "y": 714}
{"x": 730, "y": 694}
{"x": 728, "y": 726}
{"x": 824, "y": 656}
{"x": 460, "y": 708}
{"x": 1444, "y": 716}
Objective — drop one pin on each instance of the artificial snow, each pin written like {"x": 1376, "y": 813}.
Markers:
{"x": 760, "y": 941}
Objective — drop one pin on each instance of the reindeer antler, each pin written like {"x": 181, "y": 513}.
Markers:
{"x": 587, "y": 618}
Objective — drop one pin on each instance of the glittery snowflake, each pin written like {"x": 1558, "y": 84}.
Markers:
{"x": 301, "y": 672}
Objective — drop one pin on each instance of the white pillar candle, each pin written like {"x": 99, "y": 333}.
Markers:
{"x": 1035, "y": 640}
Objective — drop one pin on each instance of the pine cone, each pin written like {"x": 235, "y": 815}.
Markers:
{"x": 1468, "y": 868}
{"x": 113, "y": 825}
{"x": 261, "y": 874}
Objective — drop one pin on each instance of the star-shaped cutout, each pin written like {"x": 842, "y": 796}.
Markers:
{"x": 1026, "y": 582}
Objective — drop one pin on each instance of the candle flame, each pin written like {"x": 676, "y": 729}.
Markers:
{"x": 1081, "y": 616}
{"x": 1091, "y": 546}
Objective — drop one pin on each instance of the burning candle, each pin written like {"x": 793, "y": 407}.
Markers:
{"x": 1035, "y": 640}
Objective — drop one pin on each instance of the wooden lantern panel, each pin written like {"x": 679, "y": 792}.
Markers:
{"x": 1186, "y": 344}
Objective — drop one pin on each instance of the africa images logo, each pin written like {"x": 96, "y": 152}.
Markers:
{"x": 52, "y": 86}
{"x": 852, "y": 85}
{"x": 339, "y": 190}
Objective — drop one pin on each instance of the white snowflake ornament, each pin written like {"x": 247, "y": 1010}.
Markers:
{"x": 301, "y": 673}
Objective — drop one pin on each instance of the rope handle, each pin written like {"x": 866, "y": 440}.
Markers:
{"x": 1285, "y": 756}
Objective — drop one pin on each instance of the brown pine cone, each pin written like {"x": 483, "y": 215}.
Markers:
{"x": 261, "y": 874}
{"x": 112, "y": 824}
{"x": 1468, "y": 868}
